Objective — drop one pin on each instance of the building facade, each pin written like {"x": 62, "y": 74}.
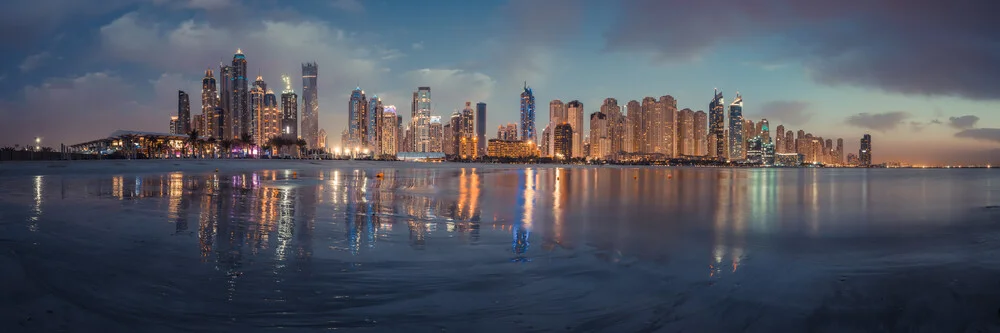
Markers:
{"x": 511, "y": 149}
{"x": 574, "y": 116}
{"x": 736, "y": 141}
{"x": 481, "y": 127}
{"x": 528, "y": 114}
{"x": 289, "y": 110}
{"x": 309, "y": 129}
{"x": 183, "y": 112}
{"x": 562, "y": 141}
{"x": 209, "y": 100}
{"x": 865, "y": 153}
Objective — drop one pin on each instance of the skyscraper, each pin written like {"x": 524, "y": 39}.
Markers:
{"x": 289, "y": 110}
{"x": 685, "y": 120}
{"x": 527, "y": 114}
{"x": 574, "y": 116}
{"x": 634, "y": 122}
{"x": 373, "y": 115}
{"x": 562, "y": 139}
{"x": 225, "y": 111}
{"x": 700, "y": 133}
{"x": 456, "y": 131}
{"x": 356, "y": 129}
{"x": 174, "y": 128}
{"x": 436, "y": 137}
{"x": 209, "y": 101}
{"x": 310, "y": 105}
{"x": 240, "y": 103}
{"x": 389, "y": 130}
{"x": 616, "y": 125}
{"x": 183, "y": 112}
{"x": 717, "y": 123}
{"x": 865, "y": 153}
{"x": 271, "y": 119}
{"x": 669, "y": 136}
{"x": 255, "y": 126}
{"x": 765, "y": 130}
{"x": 779, "y": 140}
{"x": 840, "y": 151}
{"x": 557, "y": 115}
{"x": 600, "y": 145}
{"x": 651, "y": 126}
{"x": 481, "y": 127}
{"x": 468, "y": 130}
{"x": 736, "y": 141}
{"x": 423, "y": 120}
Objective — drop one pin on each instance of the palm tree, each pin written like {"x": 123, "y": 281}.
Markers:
{"x": 302, "y": 145}
{"x": 247, "y": 142}
{"x": 211, "y": 143}
{"x": 227, "y": 146}
{"x": 192, "y": 140}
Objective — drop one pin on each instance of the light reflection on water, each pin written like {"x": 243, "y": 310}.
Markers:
{"x": 271, "y": 234}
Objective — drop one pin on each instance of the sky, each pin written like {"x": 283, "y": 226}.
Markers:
{"x": 919, "y": 75}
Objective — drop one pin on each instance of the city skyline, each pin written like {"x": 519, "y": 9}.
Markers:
{"x": 128, "y": 62}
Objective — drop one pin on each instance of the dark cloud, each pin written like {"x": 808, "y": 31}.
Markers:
{"x": 25, "y": 23}
{"x": 353, "y": 6}
{"x": 878, "y": 121}
{"x": 963, "y": 122}
{"x": 786, "y": 112}
{"x": 984, "y": 134}
{"x": 922, "y": 47}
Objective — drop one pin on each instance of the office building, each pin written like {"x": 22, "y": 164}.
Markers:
{"x": 422, "y": 120}
{"x": 372, "y": 118}
{"x": 289, "y": 110}
{"x": 717, "y": 124}
{"x": 436, "y": 136}
{"x": 356, "y": 117}
{"x": 309, "y": 129}
{"x": 209, "y": 100}
{"x": 527, "y": 114}
{"x": 755, "y": 150}
{"x": 865, "y": 153}
{"x": 736, "y": 142}
{"x": 183, "y": 112}
{"x": 240, "y": 98}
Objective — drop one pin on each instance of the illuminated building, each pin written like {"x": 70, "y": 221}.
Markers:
{"x": 562, "y": 141}
{"x": 652, "y": 125}
{"x": 865, "y": 153}
{"x": 852, "y": 159}
{"x": 309, "y": 129}
{"x": 455, "y": 137}
{"x": 557, "y": 115}
{"x": 270, "y": 118}
{"x": 736, "y": 142}
{"x": 717, "y": 123}
{"x": 209, "y": 101}
{"x": 481, "y": 127}
{"x": 839, "y": 153}
{"x": 634, "y": 127}
{"x": 788, "y": 159}
{"x": 225, "y": 110}
{"x": 700, "y": 133}
{"x": 356, "y": 118}
{"x": 767, "y": 153}
{"x": 527, "y": 114}
{"x": 289, "y": 110}
{"x": 389, "y": 131}
{"x": 779, "y": 139}
{"x": 616, "y": 124}
{"x": 600, "y": 143}
{"x": 372, "y": 122}
{"x": 255, "y": 126}
{"x": 765, "y": 130}
{"x": 447, "y": 140}
{"x": 508, "y": 132}
{"x": 321, "y": 140}
{"x": 422, "y": 121}
{"x": 789, "y": 142}
{"x": 183, "y": 112}
{"x": 240, "y": 99}
{"x": 173, "y": 125}
{"x": 667, "y": 141}
{"x": 511, "y": 149}
{"x": 574, "y": 116}
{"x": 467, "y": 147}
{"x": 755, "y": 150}
{"x": 685, "y": 132}
{"x": 436, "y": 136}
{"x": 199, "y": 124}
{"x": 546, "y": 139}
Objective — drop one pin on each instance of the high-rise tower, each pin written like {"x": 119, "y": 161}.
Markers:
{"x": 717, "y": 123}
{"x": 481, "y": 128}
{"x": 527, "y": 114}
{"x": 225, "y": 109}
{"x": 701, "y": 133}
{"x": 183, "y": 112}
{"x": 616, "y": 125}
{"x": 373, "y": 121}
{"x": 240, "y": 99}
{"x": 574, "y": 116}
{"x": 289, "y": 110}
{"x": 421, "y": 135}
{"x": 310, "y": 108}
{"x": 865, "y": 153}
{"x": 209, "y": 101}
{"x": 356, "y": 118}
{"x": 257, "y": 111}
{"x": 736, "y": 141}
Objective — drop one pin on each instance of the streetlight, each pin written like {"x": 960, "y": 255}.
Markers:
{"x": 38, "y": 143}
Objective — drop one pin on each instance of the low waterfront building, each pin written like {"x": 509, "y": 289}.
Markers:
{"x": 511, "y": 149}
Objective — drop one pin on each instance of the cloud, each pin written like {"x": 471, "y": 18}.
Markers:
{"x": 353, "y": 6}
{"x": 526, "y": 48}
{"x": 451, "y": 88}
{"x": 788, "y": 112}
{"x": 963, "y": 122}
{"x": 878, "y": 121}
{"x": 29, "y": 23}
{"x": 84, "y": 110}
{"x": 273, "y": 48}
{"x": 880, "y": 44}
{"x": 418, "y": 45}
{"x": 983, "y": 134}
{"x": 34, "y": 60}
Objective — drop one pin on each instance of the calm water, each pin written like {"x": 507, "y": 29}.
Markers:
{"x": 460, "y": 250}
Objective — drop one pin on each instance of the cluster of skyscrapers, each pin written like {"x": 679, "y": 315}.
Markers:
{"x": 380, "y": 131}
{"x": 233, "y": 108}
